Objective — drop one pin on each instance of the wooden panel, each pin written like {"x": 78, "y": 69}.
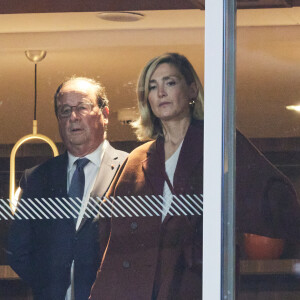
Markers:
{"x": 7, "y": 273}
{"x": 271, "y": 267}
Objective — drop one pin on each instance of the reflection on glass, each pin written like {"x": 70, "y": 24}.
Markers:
{"x": 267, "y": 83}
{"x": 268, "y": 72}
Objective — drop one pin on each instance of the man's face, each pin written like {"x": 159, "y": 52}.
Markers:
{"x": 81, "y": 134}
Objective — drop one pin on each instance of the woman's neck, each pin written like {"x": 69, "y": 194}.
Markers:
{"x": 174, "y": 133}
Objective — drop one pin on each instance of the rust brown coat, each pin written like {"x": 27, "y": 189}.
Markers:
{"x": 143, "y": 253}
{"x": 147, "y": 259}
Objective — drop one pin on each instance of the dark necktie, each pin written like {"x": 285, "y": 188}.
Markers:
{"x": 76, "y": 188}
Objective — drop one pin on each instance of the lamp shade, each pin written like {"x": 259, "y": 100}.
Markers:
{"x": 262, "y": 247}
{"x": 35, "y": 55}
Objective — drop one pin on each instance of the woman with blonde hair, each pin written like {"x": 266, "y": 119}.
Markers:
{"x": 159, "y": 256}
{"x": 153, "y": 250}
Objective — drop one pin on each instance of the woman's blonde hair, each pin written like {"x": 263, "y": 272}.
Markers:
{"x": 148, "y": 126}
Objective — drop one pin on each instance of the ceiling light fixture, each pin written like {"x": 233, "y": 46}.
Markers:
{"x": 293, "y": 107}
{"x": 120, "y": 16}
{"x": 34, "y": 56}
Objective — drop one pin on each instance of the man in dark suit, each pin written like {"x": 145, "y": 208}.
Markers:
{"x": 59, "y": 257}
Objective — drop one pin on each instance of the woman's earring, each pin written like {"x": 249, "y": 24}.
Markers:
{"x": 192, "y": 102}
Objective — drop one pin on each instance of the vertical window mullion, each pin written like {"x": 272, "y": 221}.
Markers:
{"x": 219, "y": 165}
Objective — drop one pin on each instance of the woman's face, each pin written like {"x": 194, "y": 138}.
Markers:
{"x": 169, "y": 94}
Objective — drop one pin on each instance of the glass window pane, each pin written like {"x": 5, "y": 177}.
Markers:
{"x": 113, "y": 53}
{"x": 267, "y": 169}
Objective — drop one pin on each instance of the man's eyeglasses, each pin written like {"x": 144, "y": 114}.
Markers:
{"x": 82, "y": 109}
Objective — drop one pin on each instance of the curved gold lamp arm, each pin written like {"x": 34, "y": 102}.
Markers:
{"x": 24, "y": 139}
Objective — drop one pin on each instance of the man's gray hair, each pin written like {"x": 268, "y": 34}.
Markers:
{"x": 101, "y": 97}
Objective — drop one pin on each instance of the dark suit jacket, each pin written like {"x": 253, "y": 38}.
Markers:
{"x": 41, "y": 251}
{"x": 145, "y": 259}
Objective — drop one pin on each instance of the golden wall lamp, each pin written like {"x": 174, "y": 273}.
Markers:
{"x": 34, "y": 56}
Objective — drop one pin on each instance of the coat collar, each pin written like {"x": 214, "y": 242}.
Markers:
{"x": 108, "y": 168}
{"x": 58, "y": 175}
{"x": 190, "y": 156}
{"x": 153, "y": 166}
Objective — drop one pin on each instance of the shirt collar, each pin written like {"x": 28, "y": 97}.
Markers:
{"x": 94, "y": 157}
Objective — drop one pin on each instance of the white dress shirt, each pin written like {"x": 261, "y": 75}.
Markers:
{"x": 90, "y": 171}
{"x": 170, "y": 166}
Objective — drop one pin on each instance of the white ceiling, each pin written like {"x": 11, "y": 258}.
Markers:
{"x": 268, "y": 64}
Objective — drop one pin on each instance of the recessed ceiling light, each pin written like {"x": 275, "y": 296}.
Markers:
{"x": 293, "y": 107}
{"x": 120, "y": 16}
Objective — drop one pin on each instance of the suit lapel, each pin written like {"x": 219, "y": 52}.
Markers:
{"x": 57, "y": 185}
{"x": 109, "y": 165}
{"x": 58, "y": 176}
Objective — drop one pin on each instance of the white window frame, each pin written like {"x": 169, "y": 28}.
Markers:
{"x": 219, "y": 151}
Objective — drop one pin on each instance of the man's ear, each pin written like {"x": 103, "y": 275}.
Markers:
{"x": 105, "y": 112}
